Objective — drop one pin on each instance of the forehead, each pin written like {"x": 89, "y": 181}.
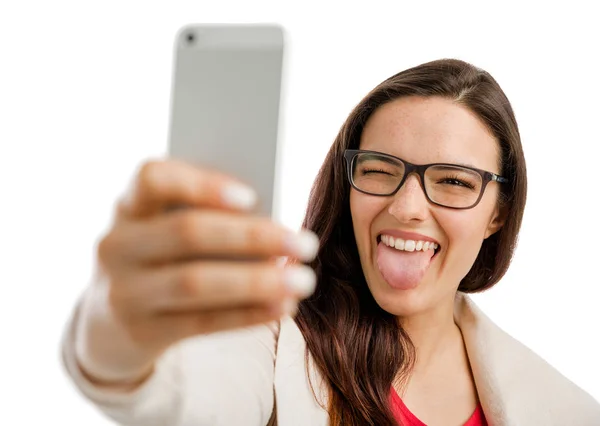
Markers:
{"x": 431, "y": 130}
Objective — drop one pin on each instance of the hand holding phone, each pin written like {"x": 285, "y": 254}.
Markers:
{"x": 167, "y": 274}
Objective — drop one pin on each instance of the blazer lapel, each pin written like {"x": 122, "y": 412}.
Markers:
{"x": 296, "y": 403}
{"x": 516, "y": 386}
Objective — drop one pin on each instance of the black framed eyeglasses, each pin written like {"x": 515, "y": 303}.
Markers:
{"x": 447, "y": 185}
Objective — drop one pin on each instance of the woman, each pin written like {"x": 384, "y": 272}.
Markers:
{"x": 419, "y": 202}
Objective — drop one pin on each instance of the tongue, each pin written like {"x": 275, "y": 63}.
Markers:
{"x": 402, "y": 269}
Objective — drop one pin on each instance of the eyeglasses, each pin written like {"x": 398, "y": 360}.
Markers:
{"x": 446, "y": 185}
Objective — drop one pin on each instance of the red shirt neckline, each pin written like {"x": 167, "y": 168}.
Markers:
{"x": 406, "y": 417}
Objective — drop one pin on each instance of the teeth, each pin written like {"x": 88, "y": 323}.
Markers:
{"x": 399, "y": 244}
{"x": 408, "y": 245}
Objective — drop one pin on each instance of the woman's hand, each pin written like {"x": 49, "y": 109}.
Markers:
{"x": 166, "y": 273}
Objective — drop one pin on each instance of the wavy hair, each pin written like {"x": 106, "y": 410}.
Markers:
{"x": 359, "y": 348}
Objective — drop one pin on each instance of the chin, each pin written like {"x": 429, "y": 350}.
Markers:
{"x": 402, "y": 303}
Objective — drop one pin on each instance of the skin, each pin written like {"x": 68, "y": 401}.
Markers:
{"x": 421, "y": 131}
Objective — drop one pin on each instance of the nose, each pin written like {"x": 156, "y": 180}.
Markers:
{"x": 410, "y": 203}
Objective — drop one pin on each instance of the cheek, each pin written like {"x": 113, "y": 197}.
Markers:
{"x": 358, "y": 214}
{"x": 465, "y": 231}
{"x": 463, "y": 228}
{"x": 364, "y": 210}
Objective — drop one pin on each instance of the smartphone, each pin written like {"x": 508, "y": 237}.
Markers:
{"x": 225, "y": 101}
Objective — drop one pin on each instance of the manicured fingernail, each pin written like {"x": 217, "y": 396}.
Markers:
{"x": 289, "y": 307}
{"x": 239, "y": 196}
{"x": 304, "y": 245}
{"x": 300, "y": 280}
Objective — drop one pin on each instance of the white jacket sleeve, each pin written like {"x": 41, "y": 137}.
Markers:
{"x": 219, "y": 380}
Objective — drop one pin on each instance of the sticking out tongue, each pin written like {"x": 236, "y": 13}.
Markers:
{"x": 402, "y": 269}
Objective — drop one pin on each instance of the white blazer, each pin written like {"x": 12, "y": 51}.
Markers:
{"x": 237, "y": 378}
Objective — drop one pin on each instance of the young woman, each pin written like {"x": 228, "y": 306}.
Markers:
{"x": 418, "y": 203}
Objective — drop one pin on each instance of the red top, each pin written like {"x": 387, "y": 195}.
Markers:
{"x": 406, "y": 418}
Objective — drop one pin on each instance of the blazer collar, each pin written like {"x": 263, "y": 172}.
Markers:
{"x": 515, "y": 386}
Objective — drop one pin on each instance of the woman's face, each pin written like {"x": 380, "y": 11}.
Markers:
{"x": 421, "y": 131}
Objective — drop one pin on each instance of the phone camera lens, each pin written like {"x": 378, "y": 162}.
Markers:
{"x": 190, "y": 38}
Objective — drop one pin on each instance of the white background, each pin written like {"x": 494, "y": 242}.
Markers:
{"x": 84, "y": 95}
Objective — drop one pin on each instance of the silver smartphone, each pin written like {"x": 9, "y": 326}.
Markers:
{"x": 225, "y": 101}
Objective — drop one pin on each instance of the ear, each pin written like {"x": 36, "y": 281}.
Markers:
{"x": 497, "y": 221}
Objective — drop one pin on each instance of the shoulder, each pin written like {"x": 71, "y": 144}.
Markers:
{"x": 513, "y": 382}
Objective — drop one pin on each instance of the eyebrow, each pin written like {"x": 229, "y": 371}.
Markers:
{"x": 378, "y": 157}
{"x": 386, "y": 157}
{"x": 449, "y": 165}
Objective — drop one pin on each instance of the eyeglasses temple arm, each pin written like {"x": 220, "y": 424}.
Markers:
{"x": 499, "y": 179}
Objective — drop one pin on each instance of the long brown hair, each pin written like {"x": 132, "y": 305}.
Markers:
{"x": 359, "y": 348}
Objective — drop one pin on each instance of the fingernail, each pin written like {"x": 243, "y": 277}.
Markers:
{"x": 289, "y": 307}
{"x": 300, "y": 280}
{"x": 239, "y": 196}
{"x": 304, "y": 245}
